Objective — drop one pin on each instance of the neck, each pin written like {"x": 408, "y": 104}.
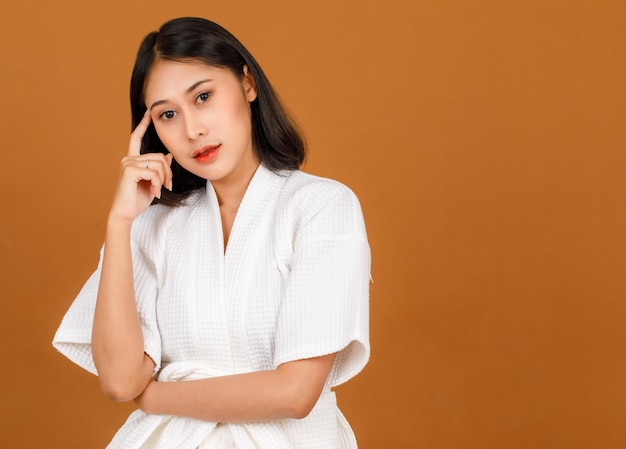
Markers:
{"x": 230, "y": 191}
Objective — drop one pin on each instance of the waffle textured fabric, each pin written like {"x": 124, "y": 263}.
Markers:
{"x": 292, "y": 283}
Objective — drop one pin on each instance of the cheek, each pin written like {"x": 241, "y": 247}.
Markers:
{"x": 236, "y": 111}
{"x": 241, "y": 117}
{"x": 165, "y": 133}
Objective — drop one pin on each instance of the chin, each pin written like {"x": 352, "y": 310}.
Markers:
{"x": 213, "y": 174}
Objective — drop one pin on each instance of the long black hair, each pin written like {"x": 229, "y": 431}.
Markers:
{"x": 276, "y": 139}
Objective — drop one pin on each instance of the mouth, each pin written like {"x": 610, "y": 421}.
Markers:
{"x": 206, "y": 152}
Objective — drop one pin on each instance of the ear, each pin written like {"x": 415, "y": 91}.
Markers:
{"x": 249, "y": 86}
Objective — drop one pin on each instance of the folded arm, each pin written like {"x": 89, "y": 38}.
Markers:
{"x": 289, "y": 391}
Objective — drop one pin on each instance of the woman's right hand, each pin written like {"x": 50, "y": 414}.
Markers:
{"x": 141, "y": 177}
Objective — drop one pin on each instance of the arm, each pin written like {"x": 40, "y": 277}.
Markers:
{"x": 289, "y": 391}
{"x": 117, "y": 341}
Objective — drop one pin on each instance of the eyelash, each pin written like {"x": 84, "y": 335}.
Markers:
{"x": 200, "y": 99}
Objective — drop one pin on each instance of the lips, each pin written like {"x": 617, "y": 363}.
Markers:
{"x": 206, "y": 153}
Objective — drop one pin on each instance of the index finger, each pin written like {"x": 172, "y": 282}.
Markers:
{"x": 134, "y": 148}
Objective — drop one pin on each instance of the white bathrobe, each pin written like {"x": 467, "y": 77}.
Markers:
{"x": 292, "y": 284}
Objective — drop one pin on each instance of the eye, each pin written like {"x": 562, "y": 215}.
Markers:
{"x": 167, "y": 115}
{"x": 203, "y": 97}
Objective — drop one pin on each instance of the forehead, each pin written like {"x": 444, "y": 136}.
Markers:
{"x": 171, "y": 78}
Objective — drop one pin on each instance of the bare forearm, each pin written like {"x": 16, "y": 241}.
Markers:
{"x": 246, "y": 397}
{"x": 117, "y": 339}
{"x": 290, "y": 391}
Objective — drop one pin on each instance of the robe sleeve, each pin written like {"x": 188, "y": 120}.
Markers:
{"x": 326, "y": 304}
{"x": 73, "y": 337}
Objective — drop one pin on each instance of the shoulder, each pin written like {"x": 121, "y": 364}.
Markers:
{"x": 308, "y": 190}
{"x": 309, "y": 199}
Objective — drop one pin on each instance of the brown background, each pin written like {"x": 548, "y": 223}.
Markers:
{"x": 485, "y": 141}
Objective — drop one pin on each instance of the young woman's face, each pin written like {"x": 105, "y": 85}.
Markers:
{"x": 202, "y": 115}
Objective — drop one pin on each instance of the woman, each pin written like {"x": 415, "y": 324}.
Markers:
{"x": 232, "y": 290}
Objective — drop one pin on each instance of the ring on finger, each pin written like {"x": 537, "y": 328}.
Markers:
{"x": 147, "y": 163}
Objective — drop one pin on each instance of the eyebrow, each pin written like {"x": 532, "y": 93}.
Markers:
{"x": 187, "y": 91}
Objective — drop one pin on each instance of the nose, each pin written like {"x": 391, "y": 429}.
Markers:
{"x": 195, "y": 127}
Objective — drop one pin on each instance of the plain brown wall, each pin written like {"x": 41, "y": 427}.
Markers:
{"x": 485, "y": 140}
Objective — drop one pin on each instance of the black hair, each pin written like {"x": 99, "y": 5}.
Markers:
{"x": 276, "y": 139}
